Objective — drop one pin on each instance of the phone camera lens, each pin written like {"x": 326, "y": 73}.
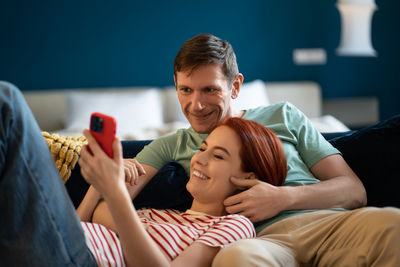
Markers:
{"x": 97, "y": 124}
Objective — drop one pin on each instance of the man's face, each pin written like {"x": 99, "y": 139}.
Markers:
{"x": 205, "y": 96}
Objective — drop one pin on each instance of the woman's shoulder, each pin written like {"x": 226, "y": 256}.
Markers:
{"x": 240, "y": 222}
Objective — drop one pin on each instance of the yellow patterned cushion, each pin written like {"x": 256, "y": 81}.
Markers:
{"x": 65, "y": 151}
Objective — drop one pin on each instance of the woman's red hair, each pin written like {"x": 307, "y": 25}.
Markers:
{"x": 261, "y": 152}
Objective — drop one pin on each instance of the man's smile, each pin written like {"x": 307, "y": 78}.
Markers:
{"x": 201, "y": 116}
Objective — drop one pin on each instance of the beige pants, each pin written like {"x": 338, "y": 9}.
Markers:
{"x": 362, "y": 237}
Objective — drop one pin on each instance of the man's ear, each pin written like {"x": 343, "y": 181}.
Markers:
{"x": 237, "y": 84}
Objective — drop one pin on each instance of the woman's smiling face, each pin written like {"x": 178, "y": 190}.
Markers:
{"x": 212, "y": 166}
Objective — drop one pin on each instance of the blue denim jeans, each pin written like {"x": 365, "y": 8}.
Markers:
{"x": 38, "y": 223}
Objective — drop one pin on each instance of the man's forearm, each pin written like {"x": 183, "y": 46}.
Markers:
{"x": 338, "y": 192}
{"x": 339, "y": 187}
{"x": 142, "y": 182}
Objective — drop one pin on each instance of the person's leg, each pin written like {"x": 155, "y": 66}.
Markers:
{"x": 38, "y": 224}
{"x": 362, "y": 237}
{"x": 256, "y": 252}
{"x": 271, "y": 248}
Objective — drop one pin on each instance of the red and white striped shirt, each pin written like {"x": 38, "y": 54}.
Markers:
{"x": 104, "y": 244}
{"x": 173, "y": 231}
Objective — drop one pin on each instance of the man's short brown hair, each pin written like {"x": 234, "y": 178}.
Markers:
{"x": 206, "y": 49}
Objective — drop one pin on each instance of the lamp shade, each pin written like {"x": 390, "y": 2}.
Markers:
{"x": 356, "y": 18}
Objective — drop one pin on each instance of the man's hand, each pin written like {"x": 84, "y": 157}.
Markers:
{"x": 133, "y": 170}
{"x": 258, "y": 202}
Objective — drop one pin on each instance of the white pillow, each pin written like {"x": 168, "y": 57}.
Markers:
{"x": 251, "y": 95}
{"x": 134, "y": 110}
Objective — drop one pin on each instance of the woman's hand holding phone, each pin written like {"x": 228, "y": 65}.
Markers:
{"x": 104, "y": 173}
{"x": 101, "y": 159}
{"x": 101, "y": 138}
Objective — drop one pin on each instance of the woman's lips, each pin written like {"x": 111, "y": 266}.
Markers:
{"x": 200, "y": 175}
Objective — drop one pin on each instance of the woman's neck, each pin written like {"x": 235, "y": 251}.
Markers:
{"x": 214, "y": 209}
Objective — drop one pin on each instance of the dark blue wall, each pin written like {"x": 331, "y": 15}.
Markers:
{"x": 99, "y": 43}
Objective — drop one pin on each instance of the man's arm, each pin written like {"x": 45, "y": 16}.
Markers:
{"x": 143, "y": 180}
{"x": 339, "y": 188}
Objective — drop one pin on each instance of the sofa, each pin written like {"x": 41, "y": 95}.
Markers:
{"x": 145, "y": 113}
{"x": 372, "y": 152}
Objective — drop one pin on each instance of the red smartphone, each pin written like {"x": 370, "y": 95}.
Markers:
{"x": 103, "y": 128}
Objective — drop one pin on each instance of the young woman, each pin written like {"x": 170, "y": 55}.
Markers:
{"x": 236, "y": 148}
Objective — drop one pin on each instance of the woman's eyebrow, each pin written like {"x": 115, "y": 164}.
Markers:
{"x": 218, "y": 147}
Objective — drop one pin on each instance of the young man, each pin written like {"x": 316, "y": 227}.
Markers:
{"x": 302, "y": 222}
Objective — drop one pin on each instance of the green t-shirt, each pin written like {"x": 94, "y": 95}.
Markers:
{"x": 303, "y": 144}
